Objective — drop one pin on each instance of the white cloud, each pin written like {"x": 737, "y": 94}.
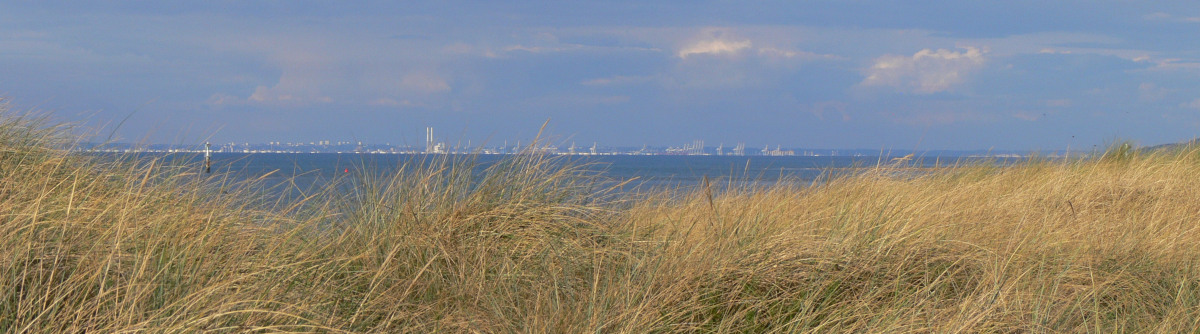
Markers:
{"x": 714, "y": 46}
{"x": 730, "y": 58}
{"x": 925, "y": 72}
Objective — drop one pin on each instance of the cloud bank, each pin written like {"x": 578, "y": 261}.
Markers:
{"x": 925, "y": 72}
{"x": 715, "y": 47}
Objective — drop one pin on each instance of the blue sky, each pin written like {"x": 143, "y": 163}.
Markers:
{"x": 1019, "y": 75}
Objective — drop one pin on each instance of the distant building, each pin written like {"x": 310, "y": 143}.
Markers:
{"x": 777, "y": 152}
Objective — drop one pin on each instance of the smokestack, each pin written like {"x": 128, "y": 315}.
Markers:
{"x": 428, "y": 140}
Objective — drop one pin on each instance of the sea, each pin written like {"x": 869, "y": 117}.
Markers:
{"x": 647, "y": 171}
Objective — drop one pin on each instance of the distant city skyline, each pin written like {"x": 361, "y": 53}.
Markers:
{"x": 435, "y": 145}
{"x": 935, "y": 75}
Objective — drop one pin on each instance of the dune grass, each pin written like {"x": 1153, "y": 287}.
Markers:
{"x": 117, "y": 244}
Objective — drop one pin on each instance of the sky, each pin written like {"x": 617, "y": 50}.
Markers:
{"x": 959, "y": 75}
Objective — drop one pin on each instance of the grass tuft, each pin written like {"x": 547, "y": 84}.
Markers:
{"x": 538, "y": 244}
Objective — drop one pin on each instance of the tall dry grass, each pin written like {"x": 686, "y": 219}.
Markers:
{"x": 95, "y": 244}
{"x": 1090, "y": 246}
{"x": 535, "y": 244}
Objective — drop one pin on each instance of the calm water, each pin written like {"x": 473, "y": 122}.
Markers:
{"x": 653, "y": 171}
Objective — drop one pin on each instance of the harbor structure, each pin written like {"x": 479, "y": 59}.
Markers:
{"x": 431, "y": 145}
{"x": 697, "y": 147}
{"x": 777, "y": 152}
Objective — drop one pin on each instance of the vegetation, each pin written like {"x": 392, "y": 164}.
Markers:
{"x": 102, "y": 244}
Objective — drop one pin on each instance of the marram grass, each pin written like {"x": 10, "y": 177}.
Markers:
{"x": 103, "y": 244}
